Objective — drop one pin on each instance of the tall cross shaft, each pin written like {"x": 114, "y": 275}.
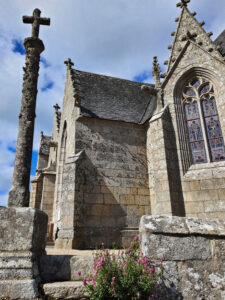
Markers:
{"x": 19, "y": 192}
{"x": 36, "y": 21}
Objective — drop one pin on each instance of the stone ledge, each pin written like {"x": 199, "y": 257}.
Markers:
{"x": 22, "y": 229}
{"x": 18, "y": 289}
{"x": 193, "y": 251}
{"x": 182, "y": 226}
{"x": 65, "y": 290}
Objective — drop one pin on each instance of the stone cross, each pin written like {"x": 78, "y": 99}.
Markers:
{"x": 56, "y": 107}
{"x": 19, "y": 192}
{"x": 183, "y": 3}
{"x": 36, "y": 21}
{"x": 69, "y": 63}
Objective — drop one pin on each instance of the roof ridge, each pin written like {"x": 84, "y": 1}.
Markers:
{"x": 113, "y": 77}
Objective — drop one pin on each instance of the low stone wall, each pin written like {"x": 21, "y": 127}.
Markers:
{"x": 194, "y": 256}
{"x": 22, "y": 241}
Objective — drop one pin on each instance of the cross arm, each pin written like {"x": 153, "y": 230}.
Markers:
{"x": 28, "y": 20}
{"x": 41, "y": 21}
{"x": 44, "y": 21}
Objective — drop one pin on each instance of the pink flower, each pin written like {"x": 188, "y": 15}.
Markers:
{"x": 128, "y": 251}
{"x": 138, "y": 294}
{"x": 114, "y": 278}
{"x": 136, "y": 238}
{"x": 99, "y": 264}
{"x": 102, "y": 259}
{"x": 96, "y": 272}
{"x": 78, "y": 273}
{"x": 93, "y": 282}
{"x": 143, "y": 271}
{"x": 84, "y": 282}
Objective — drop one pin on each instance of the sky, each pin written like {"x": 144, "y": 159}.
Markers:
{"x": 111, "y": 37}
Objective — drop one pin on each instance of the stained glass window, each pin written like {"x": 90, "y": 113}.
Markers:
{"x": 203, "y": 125}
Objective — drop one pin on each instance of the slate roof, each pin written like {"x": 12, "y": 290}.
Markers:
{"x": 220, "y": 41}
{"x": 112, "y": 98}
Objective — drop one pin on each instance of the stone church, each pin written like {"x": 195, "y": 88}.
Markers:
{"x": 120, "y": 149}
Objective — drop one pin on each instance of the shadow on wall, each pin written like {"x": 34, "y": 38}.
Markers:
{"x": 108, "y": 179}
{"x": 103, "y": 216}
{"x": 176, "y": 193}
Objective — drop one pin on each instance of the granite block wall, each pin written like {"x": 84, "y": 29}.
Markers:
{"x": 112, "y": 179}
{"x": 193, "y": 253}
{"x": 202, "y": 185}
{"x": 48, "y": 194}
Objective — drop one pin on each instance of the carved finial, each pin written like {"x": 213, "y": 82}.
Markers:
{"x": 173, "y": 33}
{"x": 58, "y": 116}
{"x": 191, "y": 35}
{"x": 209, "y": 34}
{"x": 183, "y": 3}
{"x": 41, "y": 135}
{"x": 156, "y": 71}
{"x": 56, "y": 107}
{"x": 202, "y": 23}
{"x": 69, "y": 63}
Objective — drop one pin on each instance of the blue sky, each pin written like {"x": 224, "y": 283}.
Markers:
{"x": 117, "y": 38}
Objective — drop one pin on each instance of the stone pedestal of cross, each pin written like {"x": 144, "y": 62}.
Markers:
{"x": 19, "y": 193}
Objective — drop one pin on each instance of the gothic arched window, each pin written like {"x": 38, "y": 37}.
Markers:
{"x": 204, "y": 130}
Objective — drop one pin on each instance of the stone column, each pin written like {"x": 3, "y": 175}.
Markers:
{"x": 19, "y": 193}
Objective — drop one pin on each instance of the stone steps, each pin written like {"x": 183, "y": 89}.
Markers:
{"x": 65, "y": 290}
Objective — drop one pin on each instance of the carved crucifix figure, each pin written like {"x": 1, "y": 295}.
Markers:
{"x": 19, "y": 192}
{"x": 36, "y": 21}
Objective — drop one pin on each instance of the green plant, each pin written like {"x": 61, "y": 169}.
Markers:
{"x": 128, "y": 275}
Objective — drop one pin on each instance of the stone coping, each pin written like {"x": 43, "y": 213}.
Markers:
{"x": 182, "y": 226}
{"x": 72, "y": 252}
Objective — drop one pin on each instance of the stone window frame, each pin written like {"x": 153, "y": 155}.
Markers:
{"x": 195, "y": 92}
{"x": 183, "y": 138}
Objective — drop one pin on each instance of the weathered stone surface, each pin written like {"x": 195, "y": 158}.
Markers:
{"x": 18, "y": 289}
{"x": 22, "y": 229}
{"x": 174, "y": 248}
{"x": 65, "y": 290}
{"x": 202, "y": 280}
{"x": 19, "y": 192}
{"x": 64, "y": 267}
{"x": 180, "y": 225}
{"x": 22, "y": 240}
{"x": 193, "y": 252}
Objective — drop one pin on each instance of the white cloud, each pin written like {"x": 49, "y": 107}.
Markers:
{"x": 117, "y": 38}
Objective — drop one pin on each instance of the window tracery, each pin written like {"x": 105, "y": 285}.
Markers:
{"x": 203, "y": 125}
